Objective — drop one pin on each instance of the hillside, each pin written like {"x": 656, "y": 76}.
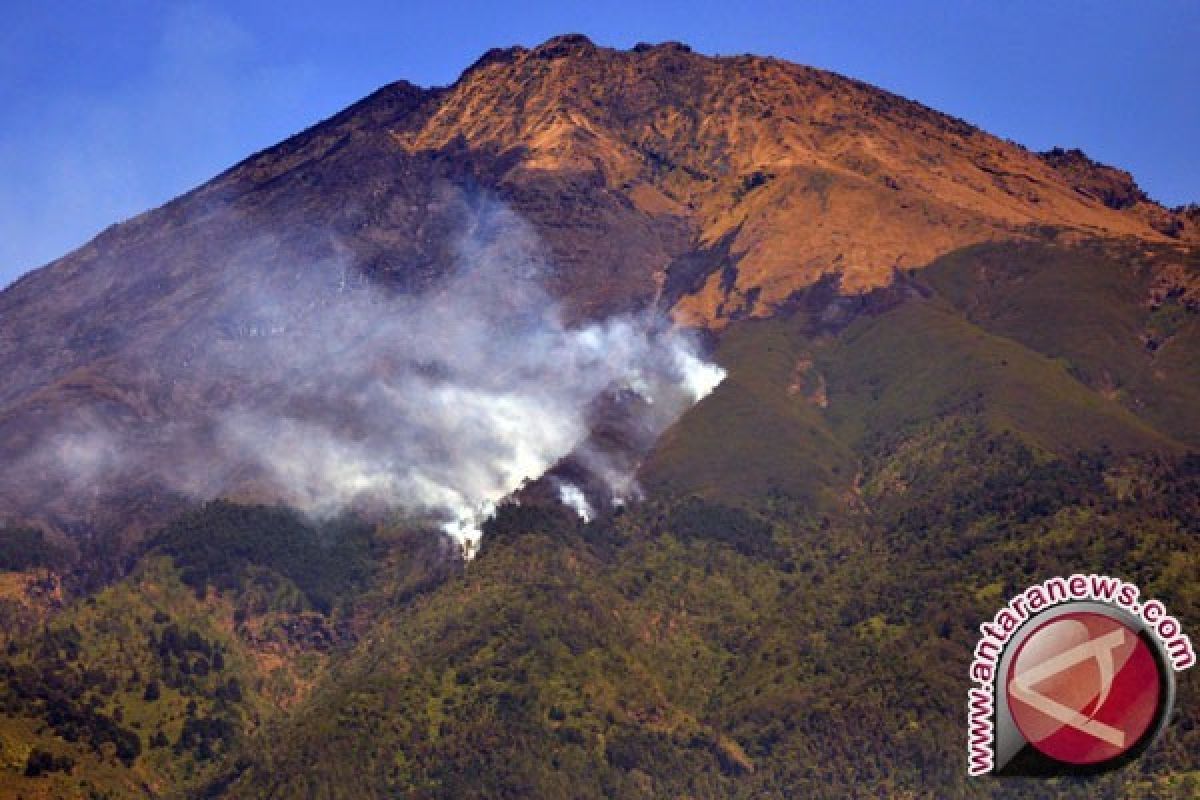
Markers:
{"x": 716, "y": 187}
{"x": 234, "y": 428}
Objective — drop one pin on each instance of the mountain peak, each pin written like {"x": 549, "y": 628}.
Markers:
{"x": 564, "y": 45}
{"x": 782, "y": 162}
{"x": 1114, "y": 187}
{"x": 678, "y": 47}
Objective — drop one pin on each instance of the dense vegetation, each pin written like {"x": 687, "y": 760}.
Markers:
{"x": 683, "y": 664}
{"x": 789, "y": 612}
{"x": 27, "y": 548}
{"x": 222, "y": 544}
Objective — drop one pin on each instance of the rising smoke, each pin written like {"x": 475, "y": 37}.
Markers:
{"x": 442, "y": 402}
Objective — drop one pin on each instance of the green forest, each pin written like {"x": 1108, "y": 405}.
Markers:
{"x": 788, "y": 612}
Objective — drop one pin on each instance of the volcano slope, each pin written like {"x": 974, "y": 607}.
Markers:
{"x": 954, "y": 368}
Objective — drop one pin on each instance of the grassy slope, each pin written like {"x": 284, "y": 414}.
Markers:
{"x": 923, "y": 361}
{"x": 1088, "y": 306}
{"x": 752, "y": 435}
{"x": 761, "y": 431}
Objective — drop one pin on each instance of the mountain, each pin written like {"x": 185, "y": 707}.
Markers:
{"x": 718, "y": 188}
{"x": 949, "y": 363}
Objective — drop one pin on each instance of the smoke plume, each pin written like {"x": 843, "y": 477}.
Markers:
{"x": 442, "y": 402}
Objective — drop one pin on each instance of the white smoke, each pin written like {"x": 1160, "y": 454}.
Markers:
{"x": 573, "y": 498}
{"x": 700, "y": 377}
{"x": 90, "y": 451}
{"x": 443, "y": 402}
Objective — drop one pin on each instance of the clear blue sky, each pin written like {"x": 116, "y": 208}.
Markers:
{"x": 110, "y": 108}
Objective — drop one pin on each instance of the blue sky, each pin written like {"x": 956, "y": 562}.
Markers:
{"x": 110, "y": 108}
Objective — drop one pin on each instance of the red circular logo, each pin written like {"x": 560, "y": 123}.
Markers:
{"x": 1083, "y": 688}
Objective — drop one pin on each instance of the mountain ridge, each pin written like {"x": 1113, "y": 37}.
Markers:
{"x": 717, "y": 188}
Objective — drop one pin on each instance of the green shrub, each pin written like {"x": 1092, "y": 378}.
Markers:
{"x": 218, "y": 544}
{"x": 27, "y": 548}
